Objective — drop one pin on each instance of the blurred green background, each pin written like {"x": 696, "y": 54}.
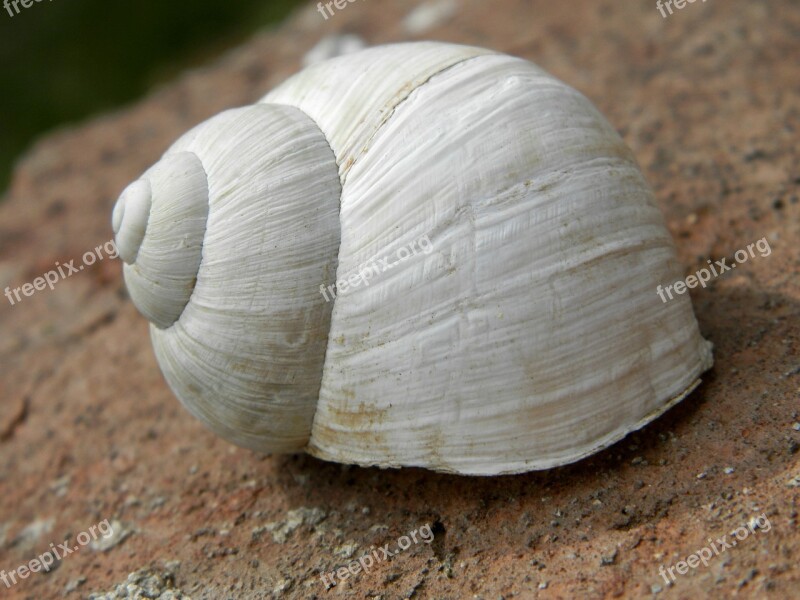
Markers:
{"x": 63, "y": 60}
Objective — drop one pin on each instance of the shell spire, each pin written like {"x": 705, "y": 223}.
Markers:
{"x": 159, "y": 222}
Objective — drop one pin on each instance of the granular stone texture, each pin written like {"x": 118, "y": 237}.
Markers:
{"x": 708, "y": 99}
{"x": 144, "y": 584}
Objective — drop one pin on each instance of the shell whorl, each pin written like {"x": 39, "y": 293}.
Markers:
{"x": 242, "y": 229}
{"x": 159, "y": 222}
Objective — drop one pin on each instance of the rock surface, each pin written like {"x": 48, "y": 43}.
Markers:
{"x": 707, "y": 98}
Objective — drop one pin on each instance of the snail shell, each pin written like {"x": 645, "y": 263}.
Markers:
{"x": 527, "y": 335}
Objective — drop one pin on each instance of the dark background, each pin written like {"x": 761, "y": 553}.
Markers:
{"x": 63, "y": 60}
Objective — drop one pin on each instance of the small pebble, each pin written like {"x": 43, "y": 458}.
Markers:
{"x": 346, "y": 550}
{"x": 429, "y": 15}
{"x": 74, "y": 584}
{"x": 119, "y": 533}
{"x": 609, "y": 559}
{"x": 332, "y": 46}
{"x": 284, "y": 585}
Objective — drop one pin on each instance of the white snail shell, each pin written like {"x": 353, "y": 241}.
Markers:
{"x": 529, "y": 336}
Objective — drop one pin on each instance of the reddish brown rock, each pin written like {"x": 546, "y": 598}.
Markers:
{"x": 707, "y": 99}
